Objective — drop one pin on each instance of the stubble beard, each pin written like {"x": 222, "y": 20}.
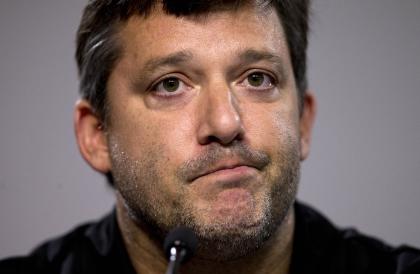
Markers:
{"x": 138, "y": 183}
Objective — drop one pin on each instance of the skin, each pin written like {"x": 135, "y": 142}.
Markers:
{"x": 219, "y": 153}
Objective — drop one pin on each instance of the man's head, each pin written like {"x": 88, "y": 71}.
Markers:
{"x": 206, "y": 115}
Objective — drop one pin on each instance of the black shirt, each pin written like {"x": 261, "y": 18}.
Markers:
{"x": 319, "y": 247}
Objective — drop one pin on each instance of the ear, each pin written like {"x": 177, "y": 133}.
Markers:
{"x": 307, "y": 119}
{"x": 90, "y": 137}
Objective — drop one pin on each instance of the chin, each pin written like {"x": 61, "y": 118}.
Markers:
{"x": 230, "y": 242}
{"x": 227, "y": 237}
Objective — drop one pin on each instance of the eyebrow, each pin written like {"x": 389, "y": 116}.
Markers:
{"x": 244, "y": 58}
{"x": 172, "y": 59}
{"x": 251, "y": 56}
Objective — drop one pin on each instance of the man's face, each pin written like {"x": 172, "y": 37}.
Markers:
{"x": 204, "y": 125}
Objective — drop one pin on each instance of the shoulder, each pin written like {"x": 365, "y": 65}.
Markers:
{"x": 333, "y": 250}
{"x": 82, "y": 250}
{"x": 47, "y": 257}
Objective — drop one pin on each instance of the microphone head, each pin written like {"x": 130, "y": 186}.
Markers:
{"x": 183, "y": 238}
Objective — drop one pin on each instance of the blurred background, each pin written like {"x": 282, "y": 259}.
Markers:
{"x": 364, "y": 167}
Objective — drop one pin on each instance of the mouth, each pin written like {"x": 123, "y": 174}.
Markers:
{"x": 234, "y": 165}
{"x": 227, "y": 172}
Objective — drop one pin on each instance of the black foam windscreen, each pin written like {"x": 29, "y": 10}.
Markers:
{"x": 181, "y": 237}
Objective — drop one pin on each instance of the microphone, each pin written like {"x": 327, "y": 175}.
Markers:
{"x": 179, "y": 246}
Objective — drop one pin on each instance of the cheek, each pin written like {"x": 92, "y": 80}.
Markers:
{"x": 285, "y": 125}
{"x": 140, "y": 162}
{"x": 165, "y": 137}
{"x": 272, "y": 127}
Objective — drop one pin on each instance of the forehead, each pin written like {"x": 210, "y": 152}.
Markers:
{"x": 160, "y": 33}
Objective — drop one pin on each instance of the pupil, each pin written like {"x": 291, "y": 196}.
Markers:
{"x": 171, "y": 84}
{"x": 256, "y": 79}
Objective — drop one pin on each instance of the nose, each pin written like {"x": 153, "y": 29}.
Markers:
{"x": 221, "y": 120}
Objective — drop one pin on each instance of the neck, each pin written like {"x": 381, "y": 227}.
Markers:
{"x": 147, "y": 255}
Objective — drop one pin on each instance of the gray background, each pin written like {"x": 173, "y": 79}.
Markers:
{"x": 364, "y": 169}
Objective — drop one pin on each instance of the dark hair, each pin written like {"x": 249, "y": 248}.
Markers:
{"x": 97, "y": 48}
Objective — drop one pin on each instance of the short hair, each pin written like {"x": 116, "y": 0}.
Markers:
{"x": 98, "y": 49}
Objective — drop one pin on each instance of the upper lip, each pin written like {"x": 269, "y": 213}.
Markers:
{"x": 221, "y": 166}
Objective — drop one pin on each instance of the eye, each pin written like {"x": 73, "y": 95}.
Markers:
{"x": 258, "y": 80}
{"x": 169, "y": 86}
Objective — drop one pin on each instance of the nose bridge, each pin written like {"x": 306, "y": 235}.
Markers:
{"x": 221, "y": 118}
{"x": 223, "y": 106}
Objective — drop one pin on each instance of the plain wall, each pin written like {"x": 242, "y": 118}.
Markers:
{"x": 364, "y": 167}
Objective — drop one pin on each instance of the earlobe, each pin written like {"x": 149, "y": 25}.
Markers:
{"x": 90, "y": 137}
{"x": 306, "y": 123}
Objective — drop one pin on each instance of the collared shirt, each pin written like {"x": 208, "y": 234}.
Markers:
{"x": 318, "y": 247}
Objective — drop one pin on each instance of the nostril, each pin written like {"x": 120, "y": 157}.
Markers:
{"x": 224, "y": 139}
{"x": 212, "y": 139}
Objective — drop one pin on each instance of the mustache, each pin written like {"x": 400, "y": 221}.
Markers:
{"x": 216, "y": 153}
